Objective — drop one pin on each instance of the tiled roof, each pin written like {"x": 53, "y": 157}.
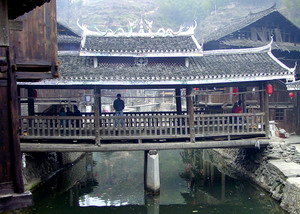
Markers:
{"x": 66, "y": 35}
{"x": 284, "y": 46}
{"x": 136, "y": 45}
{"x": 221, "y": 66}
{"x": 66, "y": 39}
{"x": 238, "y": 24}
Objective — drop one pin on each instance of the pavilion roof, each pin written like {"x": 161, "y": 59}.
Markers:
{"x": 219, "y": 66}
{"x": 140, "y": 46}
{"x": 142, "y": 41}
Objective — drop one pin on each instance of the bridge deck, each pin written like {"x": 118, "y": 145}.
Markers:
{"x": 55, "y": 147}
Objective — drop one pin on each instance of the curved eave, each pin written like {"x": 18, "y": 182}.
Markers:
{"x": 128, "y": 82}
{"x": 293, "y": 86}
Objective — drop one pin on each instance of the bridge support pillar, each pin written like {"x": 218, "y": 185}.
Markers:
{"x": 152, "y": 178}
{"x": 152, "y": 203}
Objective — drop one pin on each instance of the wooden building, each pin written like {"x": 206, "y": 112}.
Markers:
{"x": 258, "y": 29}
{"x": 27, "y": 52}
{"x": 159, "y": 60}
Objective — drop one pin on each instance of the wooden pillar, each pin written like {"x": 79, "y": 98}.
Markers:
{"x": 261, "y": 97}
{"x": 264, "y": 107}
{"x": 178, "y": 101}
{"x": 9, "y": 136}
{"x": 190, "y": 110}
{"x": 97, "y": 114}
{"x": 267, "y": 113}
{"x": 242, "y": 98}
{"x": 14, "y": 129}
{"x": 30, "y": 94}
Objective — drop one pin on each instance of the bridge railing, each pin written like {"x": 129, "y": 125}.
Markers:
{"x": 229, "y": 124}
{"x": 140, "y": 127}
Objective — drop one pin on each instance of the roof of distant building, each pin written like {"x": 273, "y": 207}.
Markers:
{"x": 66, "y": 35}
{"x": 241, "y": 23}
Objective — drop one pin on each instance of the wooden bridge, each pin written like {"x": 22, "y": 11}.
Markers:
{"x": 143, "y": 128}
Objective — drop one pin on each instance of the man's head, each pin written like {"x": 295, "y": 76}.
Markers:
{"x": 118, "y": 95}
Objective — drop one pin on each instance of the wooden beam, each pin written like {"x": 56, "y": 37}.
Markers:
{"x": 15, "y": 25}
{"x": 4, "y": 38}
{"x": 30, "y": 94}
{"x": 15, "y": 201}
{"x": 33, "y": 75}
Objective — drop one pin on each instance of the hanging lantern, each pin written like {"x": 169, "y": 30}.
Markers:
{"x": 196, "y": 89}
{"x": 269, "y": 89}
{"x": 235, "y": 91}
{"x": 291, "y": 95}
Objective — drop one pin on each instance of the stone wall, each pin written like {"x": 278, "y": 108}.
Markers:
{"x": 275, "y": 168}
{"x": 40, "y": 166}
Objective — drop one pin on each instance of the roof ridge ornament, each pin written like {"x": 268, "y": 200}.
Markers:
{"x": 144, "y": 24}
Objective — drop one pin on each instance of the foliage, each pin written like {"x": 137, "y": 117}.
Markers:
{"x": 186, "y": 11}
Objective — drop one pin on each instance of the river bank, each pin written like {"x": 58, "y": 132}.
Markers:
{"x": 275, "y": 168}
{"x": 41, "y": 166}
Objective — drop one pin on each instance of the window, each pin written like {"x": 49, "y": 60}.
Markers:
{"x": 279, "y": 114}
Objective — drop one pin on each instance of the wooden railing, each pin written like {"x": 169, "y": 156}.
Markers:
{"x": 229, "y": 124}
{"x": 140, "y": 127}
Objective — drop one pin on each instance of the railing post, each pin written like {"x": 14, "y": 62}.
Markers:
{"x": 190, "y": 109}
{"x": 178, "y": 101}
{"x": 97, "y": 114}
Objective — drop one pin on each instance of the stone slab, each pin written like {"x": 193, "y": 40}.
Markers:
{"x": 297, "y": 146}
{"x": 288, "y": 169}
{"x": 294, "y": 181}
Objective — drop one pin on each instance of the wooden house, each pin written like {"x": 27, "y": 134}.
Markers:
{"x": 258, "y": 29}
{"x": 159, "y": 60}
{"x": 27, "y": 52}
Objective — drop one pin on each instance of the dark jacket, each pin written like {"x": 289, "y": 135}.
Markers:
{"x": 119, "y": 104}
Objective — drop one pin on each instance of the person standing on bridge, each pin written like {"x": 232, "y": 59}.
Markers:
{"x": 119, "y": 106}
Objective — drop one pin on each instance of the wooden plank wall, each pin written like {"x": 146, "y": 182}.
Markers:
{"x": 36, "y": 44}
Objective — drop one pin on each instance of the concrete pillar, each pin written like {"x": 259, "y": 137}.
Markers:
{"x": 152, "y": 203}
{"x": 152, "y": 173}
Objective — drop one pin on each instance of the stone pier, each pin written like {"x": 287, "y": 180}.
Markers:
{"x": 152, "y": 179}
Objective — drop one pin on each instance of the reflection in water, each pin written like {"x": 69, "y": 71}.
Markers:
{"x": 191, "y": 181}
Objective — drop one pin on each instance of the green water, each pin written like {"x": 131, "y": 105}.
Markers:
{"x": 191, "y": 182}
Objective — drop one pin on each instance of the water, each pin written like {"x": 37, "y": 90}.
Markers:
{"x": 192, "y": 181}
